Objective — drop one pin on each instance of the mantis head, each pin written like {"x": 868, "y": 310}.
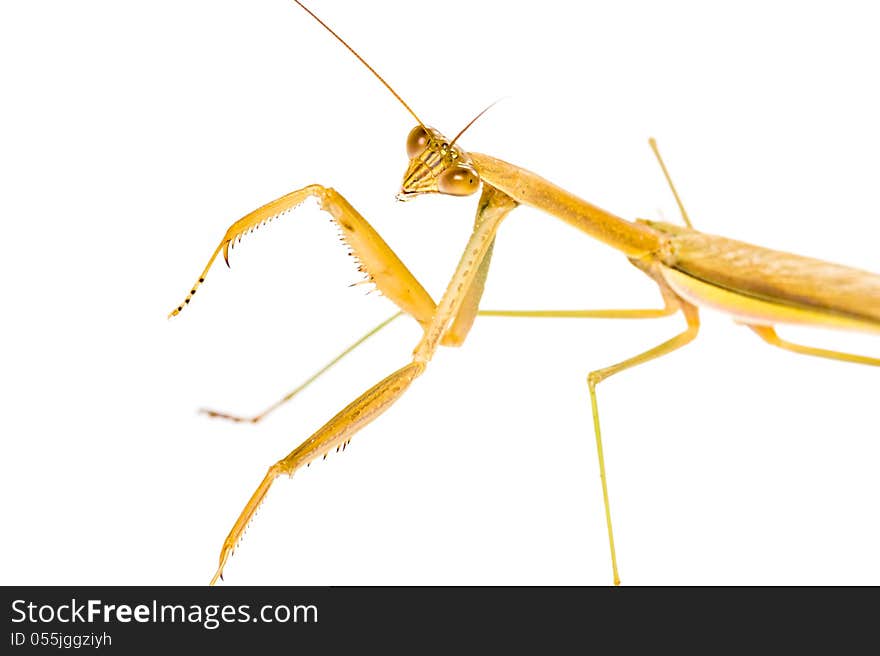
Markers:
{"x": 436, "y": 165}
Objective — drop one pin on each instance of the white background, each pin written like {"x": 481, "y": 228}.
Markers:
{"x": 133, "y": 134}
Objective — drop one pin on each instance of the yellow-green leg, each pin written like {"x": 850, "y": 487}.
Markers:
{"x": 308, "y": 381}
{"x": 768, "y": 334}
{"x": 595, "y": 377}
{"x": 651, "y": 313}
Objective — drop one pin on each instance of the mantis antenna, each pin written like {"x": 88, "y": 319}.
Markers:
{"x": 473, "y": 120}
{"x": 363, "y": 61}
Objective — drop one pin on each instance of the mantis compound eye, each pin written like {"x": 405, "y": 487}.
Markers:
{"x": 458, "y": 180}
{"x": 416, "y": 141}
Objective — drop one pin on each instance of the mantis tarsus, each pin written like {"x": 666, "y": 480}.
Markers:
{"x": 759, "y": 287}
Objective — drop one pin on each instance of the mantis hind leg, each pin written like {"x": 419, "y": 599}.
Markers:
{"x": 595, "y": 377}
{"x": 768, "y": 334}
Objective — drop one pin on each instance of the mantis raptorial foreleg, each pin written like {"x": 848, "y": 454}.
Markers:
{"x": 595, "y": 377}
{"x": 464, "y": 320}
{"x": 369, "y": 405}
{"x": 377, "y": 260}
{"x": 768, "y": 334}
{"x": 459, "y": 327}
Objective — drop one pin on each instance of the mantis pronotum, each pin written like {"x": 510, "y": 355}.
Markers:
{"x": 757, "y": 286}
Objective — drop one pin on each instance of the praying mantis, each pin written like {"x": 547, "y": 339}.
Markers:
{"x": 757, "y": 286}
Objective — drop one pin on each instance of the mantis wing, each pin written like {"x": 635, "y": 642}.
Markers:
{"x": 829, "y": 291}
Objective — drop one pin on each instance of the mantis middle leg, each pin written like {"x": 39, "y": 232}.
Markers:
{"x": 595, "y": 377}
{"x": 450, "y": 339}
